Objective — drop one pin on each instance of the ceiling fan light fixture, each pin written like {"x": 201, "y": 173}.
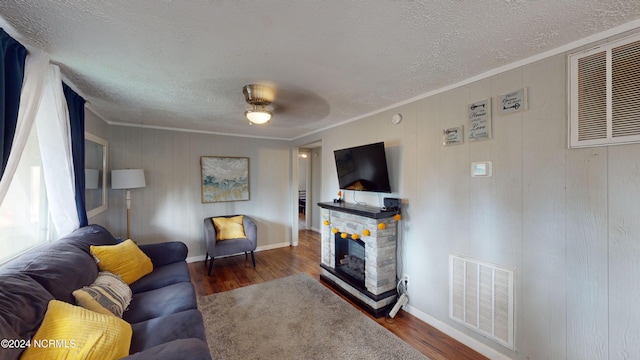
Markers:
{"x": 258, "y": 115}
{"x": 257, "y": 94}
{"x": 259, "y": 97}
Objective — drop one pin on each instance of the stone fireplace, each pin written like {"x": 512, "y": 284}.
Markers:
{"x": 362, "y": 267}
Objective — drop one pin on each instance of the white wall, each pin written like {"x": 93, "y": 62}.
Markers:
{"x": 567, "y": 220}
{"x": 170, "y": 207}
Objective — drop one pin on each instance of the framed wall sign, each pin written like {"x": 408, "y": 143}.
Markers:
{"x": 479, "y": 115}
{"x": 513, "y": 101}
{"x": 452, "y": 136}
{"x": 224, "y": 178}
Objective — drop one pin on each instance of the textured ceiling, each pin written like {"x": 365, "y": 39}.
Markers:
{"x": 182, "y": 64}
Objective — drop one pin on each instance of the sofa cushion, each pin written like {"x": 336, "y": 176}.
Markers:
{"x": 124, "y": 259}
{"x": 228, "y": 228}
{"x": 7, "y": 332}
{"x": 165, "y": 253}
{"x": 86, "y": 236}
{"x": 159, "y": 302}
{"x": 152, "y": 332}
{"x": 59, "y": 267}
{"x": 192, "y": 349}
{"x": 79, "y": 334}
{"x": 107, "y": 295}
{"x": 23, "y": 303}
{"x": 161, "y": 277}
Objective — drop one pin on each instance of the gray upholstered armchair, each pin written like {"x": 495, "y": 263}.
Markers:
{"x": 216, "y": 248}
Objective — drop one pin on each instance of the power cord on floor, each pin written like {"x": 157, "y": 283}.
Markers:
{"x": 401, "y": 289}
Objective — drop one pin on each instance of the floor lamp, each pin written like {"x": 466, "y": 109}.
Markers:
{"x": 128, "y": 179}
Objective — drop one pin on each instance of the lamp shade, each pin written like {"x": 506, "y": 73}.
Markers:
{"x": 127, "y": 179}
{"x": 91, "y": 179}
{"x": 258, "y": 116}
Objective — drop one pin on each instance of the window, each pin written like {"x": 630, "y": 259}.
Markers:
{"x": 24, "y": 215}
{"x": 604, "y": 101}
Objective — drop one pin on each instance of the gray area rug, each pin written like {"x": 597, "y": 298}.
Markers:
{"x": 294, "y": 317}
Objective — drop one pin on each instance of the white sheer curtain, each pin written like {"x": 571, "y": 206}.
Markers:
{"x": 42, "y": 100}
{"x": 54, "y": 138}
{"x": 35, "y": 71}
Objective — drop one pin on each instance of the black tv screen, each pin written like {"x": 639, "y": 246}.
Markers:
{"x": 363, "y": 168}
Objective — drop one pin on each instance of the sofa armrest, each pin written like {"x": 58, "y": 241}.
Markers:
{"x": 192, "y": 349}
{"x": 165, "y": 253}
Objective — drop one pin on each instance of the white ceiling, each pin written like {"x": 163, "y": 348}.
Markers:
{"x": 182, "y": 64}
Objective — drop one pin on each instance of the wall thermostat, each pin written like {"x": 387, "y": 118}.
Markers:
{"x": 481, "y": 169}
{"x": 396, "y": 119}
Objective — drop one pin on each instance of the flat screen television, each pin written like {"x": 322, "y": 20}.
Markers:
{"x": 363, "y": 168}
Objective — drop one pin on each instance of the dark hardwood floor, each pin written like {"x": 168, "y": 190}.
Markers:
{"x": 234, "y": 272}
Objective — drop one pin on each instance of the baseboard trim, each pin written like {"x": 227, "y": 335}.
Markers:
{"x": 273, "y": 246}
{"x": 192, "y": 259}
{"x": 197, "y": 258}
{"x": 459, "y": 336}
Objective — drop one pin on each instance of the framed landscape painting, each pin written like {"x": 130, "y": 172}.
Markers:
{"x": 224, "y": 178}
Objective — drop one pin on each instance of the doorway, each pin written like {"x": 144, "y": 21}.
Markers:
{"x": 309, "y": 186}
{"x": 304, "y": 177}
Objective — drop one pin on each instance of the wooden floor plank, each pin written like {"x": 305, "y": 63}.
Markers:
{"x": 237, "y": 271}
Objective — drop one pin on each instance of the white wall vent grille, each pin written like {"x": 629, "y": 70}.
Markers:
{"x": 604, "y": 101}
{"x": 481, "y": 297}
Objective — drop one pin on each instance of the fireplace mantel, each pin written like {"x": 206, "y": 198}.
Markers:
{"x": 361, "y": 210}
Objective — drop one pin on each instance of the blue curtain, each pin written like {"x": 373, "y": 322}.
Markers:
{"x": 11, "y": 76}
{"x": 75, "y": 103}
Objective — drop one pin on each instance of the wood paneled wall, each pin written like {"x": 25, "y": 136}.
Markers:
{"x": 170, "y": 207}
{"x": 568, "y": 220}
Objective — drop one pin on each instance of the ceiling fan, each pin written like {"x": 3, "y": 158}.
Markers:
{"x": 260, "y": 98}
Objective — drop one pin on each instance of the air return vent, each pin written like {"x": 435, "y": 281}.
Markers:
{"x": 481, "y": 298}
{"x": 604, "y": 105}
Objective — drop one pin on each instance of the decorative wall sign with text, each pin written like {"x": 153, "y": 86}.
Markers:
{"x": 513, "y": 101}
{"x": 479, "y": 114}
{"x": 452, "y": 136}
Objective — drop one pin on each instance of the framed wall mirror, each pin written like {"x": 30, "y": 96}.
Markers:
{"x": 95, "y": 173}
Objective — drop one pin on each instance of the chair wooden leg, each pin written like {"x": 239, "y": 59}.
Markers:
{"x": 210, "y": 267}
{"x": 206, "y": 256}
{"x": 253, "y": 259}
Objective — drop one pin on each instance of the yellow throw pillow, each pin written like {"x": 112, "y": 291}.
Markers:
{"x": 72, "y": 332}
{"x": 107, "y": 295}
{"x": 124, "y": 259}
{"x": 229, "y": 227}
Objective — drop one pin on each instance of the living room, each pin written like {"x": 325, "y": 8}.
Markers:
{"x": 563, "y": 219}
{"x": 536, "y": 214}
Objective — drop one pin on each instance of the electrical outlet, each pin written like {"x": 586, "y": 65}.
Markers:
{"x": 405, "y": 279}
